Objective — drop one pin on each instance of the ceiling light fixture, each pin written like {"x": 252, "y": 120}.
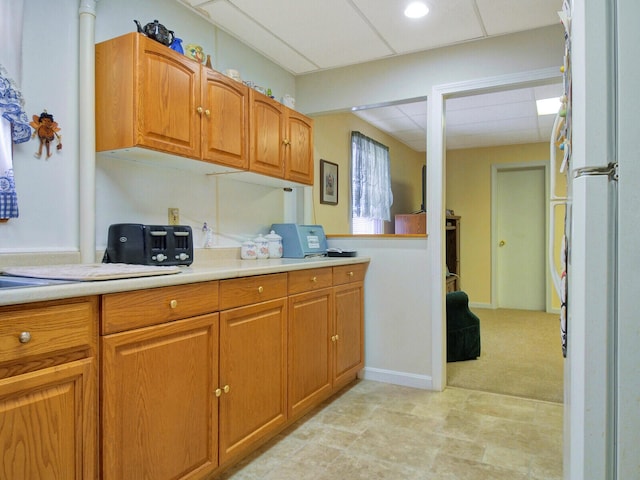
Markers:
{"x": 548, "y": 106}
{"x": 416, "y": 10}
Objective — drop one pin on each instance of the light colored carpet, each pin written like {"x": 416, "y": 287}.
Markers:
{"x": 520, "y": 355}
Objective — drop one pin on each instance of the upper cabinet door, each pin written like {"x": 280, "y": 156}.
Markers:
{"x": 299, "y": 148}
{"x": 267, "y": 135}
{"x": 225, "y": 121}
{"x": 146, "y": 95}
{"x": 169, "y": 103}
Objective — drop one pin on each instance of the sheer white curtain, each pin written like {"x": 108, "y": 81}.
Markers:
{"x": 370, "y": 184}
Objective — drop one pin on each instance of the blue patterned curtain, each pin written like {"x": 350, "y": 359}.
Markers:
{"x": 371, "y": 178}
{"x": 14, "y": 125}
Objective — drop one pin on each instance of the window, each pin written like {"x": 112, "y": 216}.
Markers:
{"x": 371, "y": 196}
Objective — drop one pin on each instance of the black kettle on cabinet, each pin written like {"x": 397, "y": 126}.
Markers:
{"x": 156, "y": 31}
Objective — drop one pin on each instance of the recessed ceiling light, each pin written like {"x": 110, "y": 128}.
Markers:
{"x": 416, "y": 10}
{"x": 548, "y": 106}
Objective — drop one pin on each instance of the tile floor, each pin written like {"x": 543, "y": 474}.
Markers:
{"x": 379, "y": 431}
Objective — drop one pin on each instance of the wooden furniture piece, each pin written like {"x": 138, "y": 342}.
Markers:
{"x": 452, "y": 241}
{"x": 48, "y": 390}
{"x": 159, "y": 414}
{"x": 412, "y": 223}
{"x": 150, "y": 96}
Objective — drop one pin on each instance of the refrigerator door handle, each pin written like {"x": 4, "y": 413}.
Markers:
{"x": 610, "y": 170}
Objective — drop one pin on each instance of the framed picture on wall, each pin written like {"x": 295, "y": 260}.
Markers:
{"x": 328, "y": 183}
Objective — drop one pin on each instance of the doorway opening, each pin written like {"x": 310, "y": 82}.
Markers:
{"x": 538, "y": 171}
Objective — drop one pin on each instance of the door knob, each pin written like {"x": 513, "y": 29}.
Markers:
{"x": 502, "y": 243}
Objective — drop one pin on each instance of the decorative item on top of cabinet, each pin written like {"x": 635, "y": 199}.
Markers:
{"x": 150, "y": 96}
{"x": 452, "y": 243}
{"x": 48, "y": 390}
{"x": 412, "y": 223}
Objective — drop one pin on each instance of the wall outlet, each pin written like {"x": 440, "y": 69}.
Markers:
{"x": 174, "y": 216}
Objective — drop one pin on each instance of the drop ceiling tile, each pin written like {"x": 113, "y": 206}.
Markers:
{"x": 448, "y": 22}
{"x": 238, "y": 25}
{"x": 505, "y": 16}
{"x": 548, "y": 91}
{"x": 492, "y": 98}
{"x": 328, "y": 33}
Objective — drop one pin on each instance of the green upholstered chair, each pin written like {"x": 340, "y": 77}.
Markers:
{"x": 463, "y": 329}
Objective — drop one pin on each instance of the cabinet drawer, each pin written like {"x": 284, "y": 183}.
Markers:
{"x": 349, "y": 273}
{"x": 47, "y": 329}
{"x": 311, "y": 279}
{"x": 141, "y": 308}
{"x": 248, "y": 290}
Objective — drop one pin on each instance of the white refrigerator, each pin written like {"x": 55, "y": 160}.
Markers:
{"x": 602, "y": 374}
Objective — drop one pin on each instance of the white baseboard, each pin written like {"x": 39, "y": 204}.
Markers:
{"x": 397, "y": 378}
{"x": 481, "y": 305}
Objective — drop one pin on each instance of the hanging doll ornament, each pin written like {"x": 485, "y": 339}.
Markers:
{"x": 47, "y": 131}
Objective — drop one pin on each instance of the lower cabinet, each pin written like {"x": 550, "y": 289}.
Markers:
{"x": 326, "y": 333}
{"x": 252, "y": 375}
{"x": 253, "y": 361}
{"x": 191, "y": 384}
{"x": 310, "y": 328}
{"x": 159, "y": 411}
{"x": 348, "y": 342}
{"x": 48, "y": 390}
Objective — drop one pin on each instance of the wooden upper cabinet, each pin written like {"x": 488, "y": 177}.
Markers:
{"x": 150, "y": 96}
{"x": 226, "y": 120}
{"x": 267, "y": 135}
{"x": 299, "y": 148}
{"x": 281, "y": 141}
{"x": 146, "y": 95}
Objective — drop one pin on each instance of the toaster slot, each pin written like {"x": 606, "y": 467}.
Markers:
{"x": 158, "y": 240}
{"x": 181, "y": 240}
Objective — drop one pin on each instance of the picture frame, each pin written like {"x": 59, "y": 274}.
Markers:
{"x": 328, "y": 183}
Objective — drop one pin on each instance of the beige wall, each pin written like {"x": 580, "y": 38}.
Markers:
{"x": 468, "y": 194}
{"x": 332, "y": 142}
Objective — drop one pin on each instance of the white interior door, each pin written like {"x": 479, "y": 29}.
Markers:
{"x": 520, "y": 237}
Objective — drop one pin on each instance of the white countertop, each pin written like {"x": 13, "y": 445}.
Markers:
{"x": 201, "y": 272}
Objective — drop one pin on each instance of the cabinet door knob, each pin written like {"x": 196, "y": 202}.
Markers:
{"x": 337, "y": 337}
{"x": 218, "y": 392}
{"x": 24, "y": 337}
{"x": 226, "y": 388}
{"x": 199, "y": 110}
{"x": 207, "y": 112}
{"x": 173, "y": 303}
{"x": 260, "y": 289}
{"x": 333, "y": 338}
{"x": 286, "y": 142}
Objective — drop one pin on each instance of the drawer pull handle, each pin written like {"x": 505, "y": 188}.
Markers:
{"x": 350, "y": 274}
{"x": 314, "y": 279}
{"x": 260, "y": 289}
{"x": 24, "y": 337}
{"x": 173, "y": 303}
{"x": 226, "y": 388}
{"x": 218, "y": 392}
